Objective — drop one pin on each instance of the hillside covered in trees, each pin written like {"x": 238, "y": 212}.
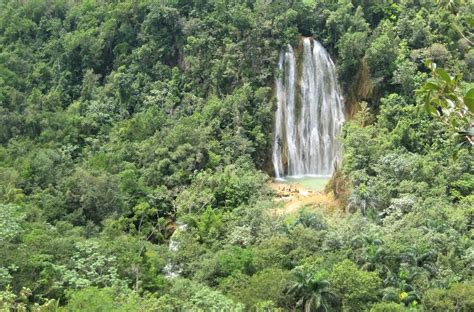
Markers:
{"x": 135, "y": 155}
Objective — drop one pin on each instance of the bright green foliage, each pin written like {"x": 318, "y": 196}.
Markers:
{"x": 383, "y": 51}
{"x": 9, "y": 301}
{"x": 312, "y": 291}
{"x": 90, "y": 197}
{"x": 459, "y": 297}
{"x": 388, "y": 307}
{"x": 443, "y": 96}
{"x": 9, "y": 192}
{"x": 355, "y": 288}
{"x": 266, "y": 287}
{"x": 108, "y": 299}
{"x": 10, "y": 221}
{"x": 135, "y": 147}
{"x": 187, "y": 295}
{"x": 90, "y": 267}
{"x": 227, "y": 188}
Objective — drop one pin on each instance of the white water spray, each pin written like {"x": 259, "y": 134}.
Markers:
{"x": 309, "y": 113}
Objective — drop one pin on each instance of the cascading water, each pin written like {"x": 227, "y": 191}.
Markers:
{"x": 309, "y": 113}
{"x": 172, "y": 269}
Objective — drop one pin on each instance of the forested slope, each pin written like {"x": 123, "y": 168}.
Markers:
{"x": 118, "y": 118}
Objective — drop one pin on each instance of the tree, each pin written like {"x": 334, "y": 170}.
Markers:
{"x": 444, "y": 97}
{"x": 188, "y": 295}
{"x": 355, "y": 288}
{"x": 383, "y": 51}
{"x": 459, "y": 297}
{"x": 93, "y": 197}
{"x": 312, "y": 291}
{"x": 388, "y": 307}
{"x": 11, "y": 217}
{"x": 108, "y": 299}
{"x": 264, "y": 288}
{"x": 118, "y": 118}
{"x": 90, "y": 267}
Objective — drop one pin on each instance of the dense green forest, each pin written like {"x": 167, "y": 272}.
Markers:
{"x": 123, "y": 123}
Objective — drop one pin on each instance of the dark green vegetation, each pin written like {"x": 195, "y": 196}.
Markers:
{"x": 119, "y": 117}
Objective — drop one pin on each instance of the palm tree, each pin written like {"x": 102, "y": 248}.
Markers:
{"x": 313, "y": 292}
{"x": 369, "y": 253}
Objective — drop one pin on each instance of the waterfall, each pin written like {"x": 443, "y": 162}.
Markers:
{"x": 172, "y": 269}
{"x": 309, "y": 113}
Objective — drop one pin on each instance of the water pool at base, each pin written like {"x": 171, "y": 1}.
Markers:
{"x": 309, "y": 183}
